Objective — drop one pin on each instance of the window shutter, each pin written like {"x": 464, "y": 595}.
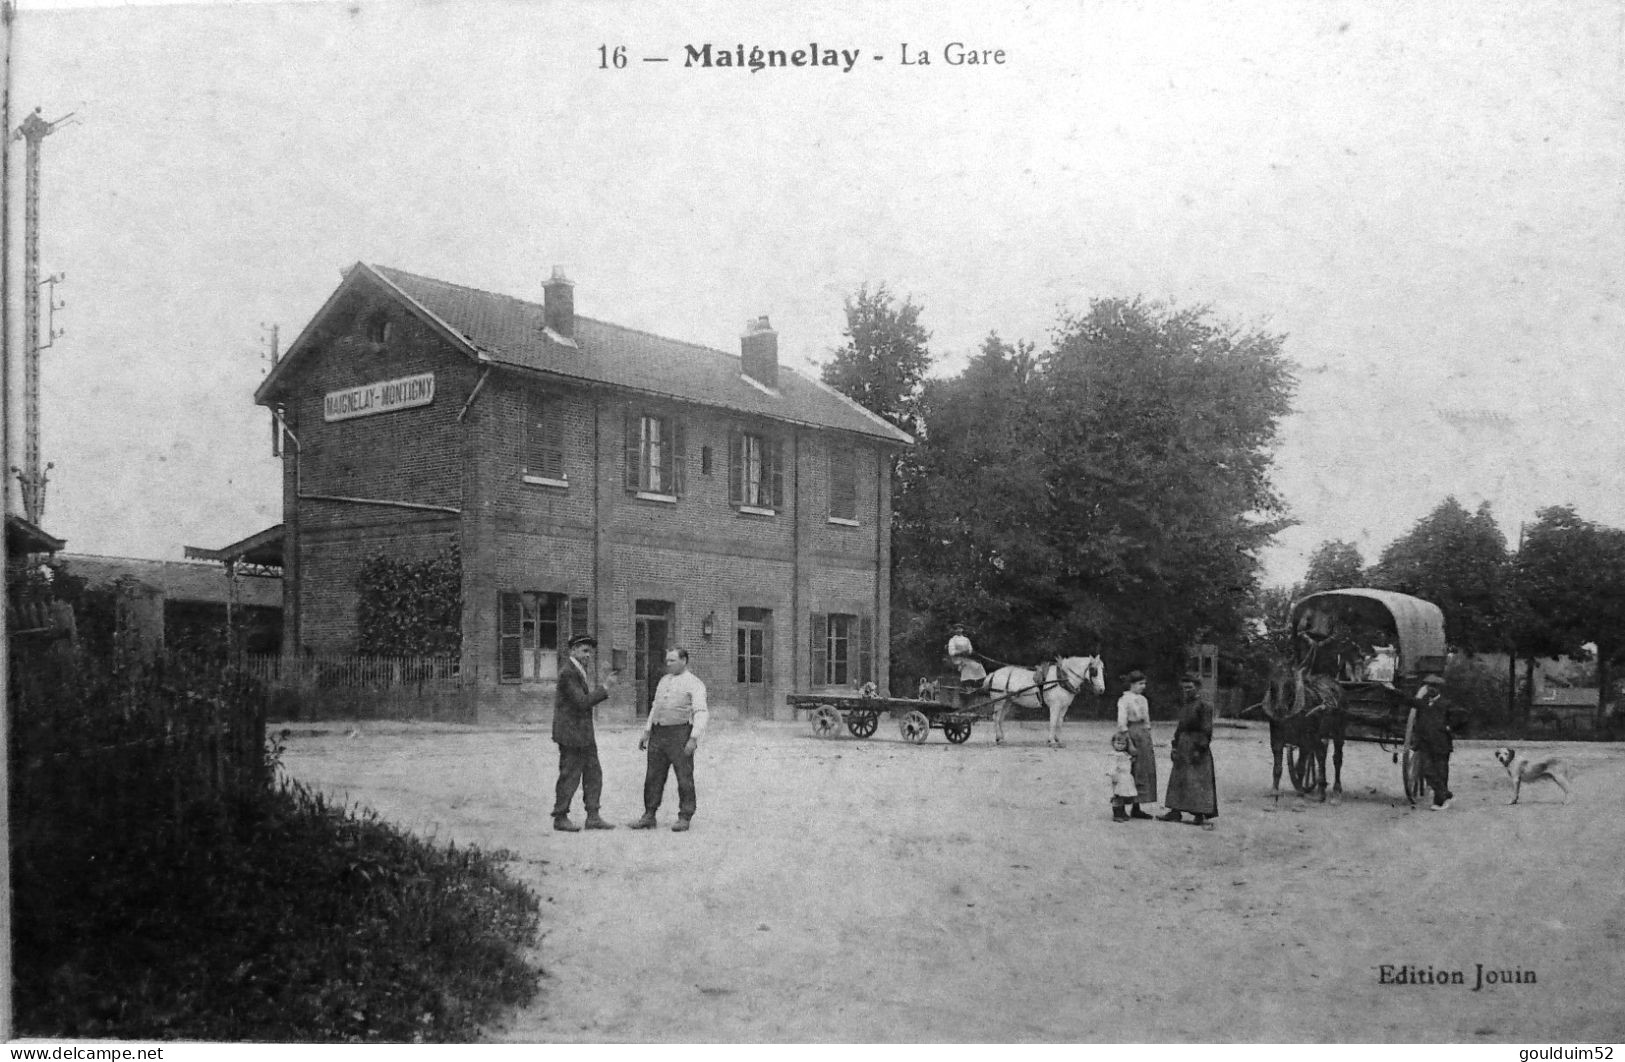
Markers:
{"x": 866, "y": 650}
{"x": 767, "y": 649}
{"x": 819, "y": 654}
{"x": 776, "y": 451}
{"x": 580, "y": 621}
{"x": 679, "y": 456}
{"x": 843, "y": 485}
{"x": 508, "y": 624}
{"x": 552, "y": 440}
{"x": 736, "y": 468}
{"x": 634, "y": 452}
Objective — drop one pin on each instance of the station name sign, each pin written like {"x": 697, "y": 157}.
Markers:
{"x": 383, "y": 397}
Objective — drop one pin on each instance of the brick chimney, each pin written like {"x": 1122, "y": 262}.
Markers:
{"x": 559, "y": 304}
{"x": 759, "y": 352}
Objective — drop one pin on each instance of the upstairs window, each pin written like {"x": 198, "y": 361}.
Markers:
{"x": 380, "y": 329}
{"x": 654, "y": 455}
{"x": 756, "y": 472}
{"x": 843, "y": 487}
{"x": 544, "y": 441}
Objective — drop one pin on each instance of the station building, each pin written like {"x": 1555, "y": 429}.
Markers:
{"x": 594, "y": 478}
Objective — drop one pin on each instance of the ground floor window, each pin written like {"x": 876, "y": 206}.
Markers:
{"x": 753, "y": 654}
{"x": 842, "y": 650}
{"x": 533, "y": 627}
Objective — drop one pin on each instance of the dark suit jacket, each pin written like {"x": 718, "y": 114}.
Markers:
{"x": 1434, "y": 719}
{"x": 572, "y": 707}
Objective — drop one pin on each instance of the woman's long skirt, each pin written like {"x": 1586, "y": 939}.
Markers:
{"x": 1145, "y": 762}
{"x": 1190, "y": 780}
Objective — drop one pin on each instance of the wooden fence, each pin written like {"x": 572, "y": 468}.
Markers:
{"x": 353, "y": 686}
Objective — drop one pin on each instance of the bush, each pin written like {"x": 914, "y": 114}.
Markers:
{"x": 308, "y": 922}
{"x": 164, "y": 890}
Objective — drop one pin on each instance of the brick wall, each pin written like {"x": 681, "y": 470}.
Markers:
{"x": 409, "y": 455}
{"x": 589, "y": 537}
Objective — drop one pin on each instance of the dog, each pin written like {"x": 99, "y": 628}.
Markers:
{"x": 1522, "y": 769}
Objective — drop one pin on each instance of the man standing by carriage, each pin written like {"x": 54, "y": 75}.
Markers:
{"x": 1434, "y": 738}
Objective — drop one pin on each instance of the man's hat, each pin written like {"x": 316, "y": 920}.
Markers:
{"x": 957, "y": 628}
{"x": 1132, "y": 677}
{"x": 583, "y": 639}
{"x": 1433, "y": 680}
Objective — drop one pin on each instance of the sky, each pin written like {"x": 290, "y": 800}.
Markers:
{"x": 1427, "y": 201}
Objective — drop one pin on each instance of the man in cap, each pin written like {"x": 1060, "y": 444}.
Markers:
{"x": 1434, "y": 739}
{"x": 672, "y": 733}
{"x": 578, "y": 743}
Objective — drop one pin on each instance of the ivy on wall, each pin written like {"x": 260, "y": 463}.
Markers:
{"x": 411, "y": 608}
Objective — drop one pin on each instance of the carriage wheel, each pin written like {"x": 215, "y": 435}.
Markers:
{"x": 1302, "y": 769}
{"x": 1410, "y": 770}
{"x": 915, "y": 727}
{"x": 825, "y": 720}
{"x": 957, "y": 733}
{"x": 861, "y": 723}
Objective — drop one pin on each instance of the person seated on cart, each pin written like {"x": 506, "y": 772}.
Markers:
{"x": 963, "y": 657}
{"x": 1382, "y": 665}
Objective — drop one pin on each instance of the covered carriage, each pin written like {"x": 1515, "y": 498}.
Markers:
{"x": 1376, "y": 646}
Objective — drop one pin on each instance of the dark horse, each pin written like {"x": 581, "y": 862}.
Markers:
{"x": 1305, "y": 711}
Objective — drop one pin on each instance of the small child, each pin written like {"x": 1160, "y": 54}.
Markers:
{"x": 1124, "y": 789}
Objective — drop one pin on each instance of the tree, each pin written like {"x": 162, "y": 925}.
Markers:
{"x": 1110, "y": 493}
{"x": 410, "y": 608}
{"x": 1458, "y": 561}
{"x": 1334, "y": 565}
{"x": 883, "y": 364}
{"x": 1570, "y": 575}
{"x": 967, "y": 541}
{"x": 1159, "y": 424}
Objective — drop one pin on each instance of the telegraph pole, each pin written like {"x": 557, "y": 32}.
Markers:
{"x": 32, "y": 477}
{"x": 6, "y": 978}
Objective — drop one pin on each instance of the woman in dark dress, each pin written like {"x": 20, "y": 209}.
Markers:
{"x": 1190, "y": 783}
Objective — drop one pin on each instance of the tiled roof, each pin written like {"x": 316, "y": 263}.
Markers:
{"x": 509, "y": 331}
{"x": 178, "y": 580}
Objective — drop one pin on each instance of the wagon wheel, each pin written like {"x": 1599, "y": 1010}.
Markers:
{"x": 862, "y": 723}
{"x": 1302, "y": 769}
{"x": 915, "y": 727}
{"x": 826, "y": 720}
{"x": 1410, "y": 770}
{"x": 957, "y": 733}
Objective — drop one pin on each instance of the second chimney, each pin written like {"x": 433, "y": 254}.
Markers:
{"x": 759, "y": 352}
{"x": 559, "y": 304}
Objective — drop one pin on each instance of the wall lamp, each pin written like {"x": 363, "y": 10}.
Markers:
{"x": 708, "y": 625}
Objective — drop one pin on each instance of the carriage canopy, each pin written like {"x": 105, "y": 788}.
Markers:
{"x": 1416, "y": 626}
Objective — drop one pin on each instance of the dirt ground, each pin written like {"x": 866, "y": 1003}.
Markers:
{"x": 871, "y": 890}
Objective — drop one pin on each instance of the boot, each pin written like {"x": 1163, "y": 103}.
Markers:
{"x": 596, "y": 822}
{"x": 1118, "y": 814}
{"x": 1137, "y": 813}
{"x": 563, "y": 824}
{"x": 645, "y": 823}
{"x": 1173, "y": 816}
{"x": 679, "y": 826}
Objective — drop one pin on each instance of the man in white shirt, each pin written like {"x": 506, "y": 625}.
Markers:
{"x": 672, "y": 732}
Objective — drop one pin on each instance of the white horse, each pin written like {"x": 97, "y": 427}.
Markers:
{"x": 1053, "y": 685}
